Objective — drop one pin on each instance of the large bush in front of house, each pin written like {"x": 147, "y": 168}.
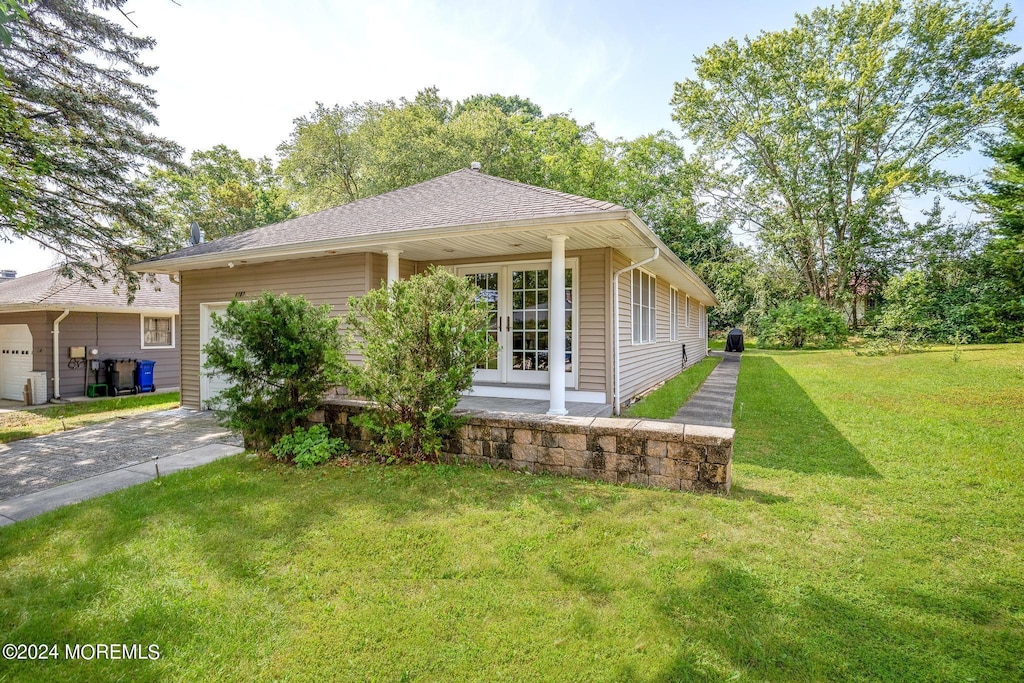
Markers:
{"x": 420, "y": 340}
{"x": 279, "y": 354}
{"x": 802, "y": 323}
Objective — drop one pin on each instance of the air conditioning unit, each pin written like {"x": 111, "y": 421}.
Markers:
{"x": 38, "y": 386}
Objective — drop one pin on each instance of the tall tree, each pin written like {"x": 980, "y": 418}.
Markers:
{"x": 1003, "y": 202}
{"x": 73, "y": 136}
{"x": 818, "y": 132}
{"x": 222, "y": 191}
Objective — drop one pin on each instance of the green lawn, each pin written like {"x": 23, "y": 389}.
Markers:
{"x": 22, "y": 424}
{"x": 663, "y": 402}
{"x": 875, "y": 533}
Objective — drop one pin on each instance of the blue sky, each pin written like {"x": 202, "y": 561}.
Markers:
{"x": 236, "y": 72}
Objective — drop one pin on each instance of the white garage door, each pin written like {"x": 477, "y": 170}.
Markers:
{"x": 209, "y": 386}
{"x": 15, "y": 360}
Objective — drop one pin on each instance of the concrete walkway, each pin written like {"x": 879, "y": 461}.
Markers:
{"x": 712, "y": 404}
{"x": 47, "y": 472}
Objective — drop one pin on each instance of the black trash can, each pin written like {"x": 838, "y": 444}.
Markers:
{"x": 120, "y": 376}
{"x": 734, "y": 342}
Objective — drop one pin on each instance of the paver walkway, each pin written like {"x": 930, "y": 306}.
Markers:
{"x": 57, "y": 469}
{"x": 712, "y": 404}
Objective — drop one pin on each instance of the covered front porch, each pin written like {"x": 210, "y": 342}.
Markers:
{"x": 532, "y": 406}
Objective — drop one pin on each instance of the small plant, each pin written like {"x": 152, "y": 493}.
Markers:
{"x": 308, "y": 447}
{"x": 957, "y": 339}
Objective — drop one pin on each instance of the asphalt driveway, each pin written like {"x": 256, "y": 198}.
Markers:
{"x": 44, "y": 462}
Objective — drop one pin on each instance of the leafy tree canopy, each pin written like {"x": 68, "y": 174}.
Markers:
{"x": 222, "y": 191}
{"x": 73, "y": 108}
{"x": 817, "y": 132}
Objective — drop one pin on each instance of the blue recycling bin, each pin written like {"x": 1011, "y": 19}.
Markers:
{"x": 144, "y": 375}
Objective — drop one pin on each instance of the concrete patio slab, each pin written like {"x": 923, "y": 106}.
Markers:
{"x": 532, "y": 406}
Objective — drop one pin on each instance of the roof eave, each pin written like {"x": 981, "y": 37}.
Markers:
{"x": 170, "y": 266}
{"x": 671, "y": 257}
{"x": 132, "y": 310}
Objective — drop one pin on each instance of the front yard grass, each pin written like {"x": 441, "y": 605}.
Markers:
{"x": 875, "y": 532}
{"x": 663, "y": 402}
{"x": 24, "y": 424}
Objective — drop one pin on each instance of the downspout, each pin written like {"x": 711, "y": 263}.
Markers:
{"x": 56, "y": 353}
{"x": 175, "y": 278}
{"x": 615, "y": 324}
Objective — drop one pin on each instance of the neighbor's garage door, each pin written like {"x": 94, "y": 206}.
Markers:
{"x": 15, "y": 360}
{"x": 209, "y": 386}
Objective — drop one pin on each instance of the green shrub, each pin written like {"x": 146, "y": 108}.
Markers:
{"x": 308, "y": 447}
{"x": 420, "y": 340}
{"x": 279, "y": 354}
{"x": 801, "y": 324}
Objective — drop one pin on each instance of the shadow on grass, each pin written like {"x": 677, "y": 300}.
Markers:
{"x": 778, "y": 426}
{"x": 814, "y": 635}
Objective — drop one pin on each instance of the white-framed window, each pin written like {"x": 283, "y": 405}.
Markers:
{"x": 644, "y": 308}
{"x": 687, "y": 312}
{"x": 673, "y": 314}
{"x": 157, "y": 331}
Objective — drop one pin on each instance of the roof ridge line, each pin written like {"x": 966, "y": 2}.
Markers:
{"x": 580, "y": 199}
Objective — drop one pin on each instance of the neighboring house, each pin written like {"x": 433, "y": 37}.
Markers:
{"x": 503, "y": 235}
{"x": 43, "y": 316}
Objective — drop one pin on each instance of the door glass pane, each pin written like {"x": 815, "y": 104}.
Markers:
{"x": 488, "y": 284}
{"x": 530, "y": 305}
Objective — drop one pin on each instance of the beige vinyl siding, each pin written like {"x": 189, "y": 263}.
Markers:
{"x": 696, "y": 348}
{"x": 327, "y": 279}
{"x": 378, "y": 270}
{"x": 593, "y": 324}
{"x": 642, "y": 366}
{"x": 406, "y": 269}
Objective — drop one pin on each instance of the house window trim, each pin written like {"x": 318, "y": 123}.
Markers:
{"x": 673, "y": 314}
{"x": 142, "y": 331}
{"x": 687, "y": 312}
{"x": 652, "y": 327}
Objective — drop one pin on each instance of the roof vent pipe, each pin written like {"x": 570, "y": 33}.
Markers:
{"x": 475, "y": 166}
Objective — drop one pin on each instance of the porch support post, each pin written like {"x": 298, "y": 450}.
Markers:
{"x": 556, "y": 326}
{"x": 392, "y": 264}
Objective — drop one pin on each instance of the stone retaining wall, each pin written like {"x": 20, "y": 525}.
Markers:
{"x": 639, "y": 452}
{"x": 643, "y": 452}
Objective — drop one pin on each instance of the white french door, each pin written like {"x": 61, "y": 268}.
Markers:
{"x": 518, "y": 295}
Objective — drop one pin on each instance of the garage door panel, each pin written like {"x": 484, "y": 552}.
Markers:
{"x": 15, "y": 360}
{"x": 209, "y": 385}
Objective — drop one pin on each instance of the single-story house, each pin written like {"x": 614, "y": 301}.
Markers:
{"x": 633, "y": 313}
{"x": 57, "y": 325}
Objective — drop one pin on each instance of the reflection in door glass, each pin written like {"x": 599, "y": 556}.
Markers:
{"x": 488, "y": 284}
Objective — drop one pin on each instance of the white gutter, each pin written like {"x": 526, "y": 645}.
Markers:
{"x": 615, "y": 324}
{"x": 56, "y": 352}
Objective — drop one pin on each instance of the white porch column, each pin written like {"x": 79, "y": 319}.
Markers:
{"x": 556, "y": 326}
{"x": 392, "y": 264}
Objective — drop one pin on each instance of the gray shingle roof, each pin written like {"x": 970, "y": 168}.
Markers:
{"x": 48, "y": 289}
{"x": 464, "y": 197}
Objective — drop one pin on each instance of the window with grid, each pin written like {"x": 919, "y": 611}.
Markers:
{"x": 673, "y": 314}
{"x": 156, "y": 332}
{"x": 643, "y": 307}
